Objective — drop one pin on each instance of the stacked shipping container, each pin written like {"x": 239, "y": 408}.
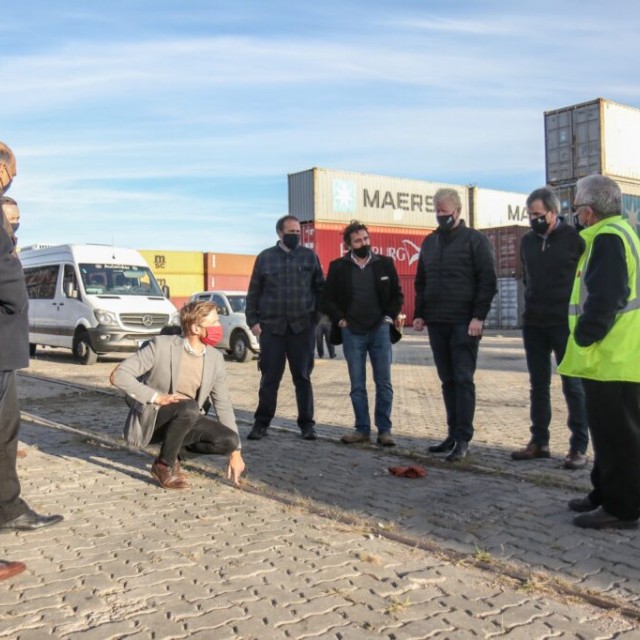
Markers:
{"x": 599, "y": 136}
{"x": 398, "y": 212}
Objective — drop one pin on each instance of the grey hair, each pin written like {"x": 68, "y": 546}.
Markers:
{"x": 448, "y": 195}
{"x": 549, "y": 199}
{"x": 602, "y": 194}
{"x": 7, "y": 157}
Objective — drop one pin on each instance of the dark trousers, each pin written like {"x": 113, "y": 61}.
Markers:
{"x": 539, "y": 344}
{"x": 275, "y": 352}
{"x": 613, "y": 409}
{"x": 455, "y": 353}
{"x": 183, "y": 431}
{"x": 11, "y": 505}
{"x": 323, "y": 331}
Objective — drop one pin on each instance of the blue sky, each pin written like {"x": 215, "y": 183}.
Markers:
{"x": 173, "y": 124}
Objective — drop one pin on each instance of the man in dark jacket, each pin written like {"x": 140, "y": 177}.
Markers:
{"x": 15, "y": 514}
{"x": 363, "y": 297}
{"x": 282, "y": 310}
{"x": 550, "y": 254}
{"x": 455, "y": 283}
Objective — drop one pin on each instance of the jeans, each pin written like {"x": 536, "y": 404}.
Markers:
{"x": 355, "y": 348}
{"x": 275, "y": 351}
{"x": 455, "y": 353}
{"x": 539, "y": 344}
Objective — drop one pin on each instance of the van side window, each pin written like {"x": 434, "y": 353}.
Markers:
{"x": 41, "y": 282}
{"x": 220, "y": 305}
{"x": 69, "y": 282}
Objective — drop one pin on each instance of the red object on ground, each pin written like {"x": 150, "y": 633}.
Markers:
{"x": 10, "y": 569}
{"x": 414, "y": 471}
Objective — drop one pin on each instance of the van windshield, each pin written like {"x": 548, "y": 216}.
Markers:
{"x": 118, "y": 280}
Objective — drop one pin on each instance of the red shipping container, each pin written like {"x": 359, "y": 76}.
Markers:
{"x": 179, "y": 301}
{"x": 506, "y": 245}
{"x": 227, "y": 282}
{"x": 400, "y": 243}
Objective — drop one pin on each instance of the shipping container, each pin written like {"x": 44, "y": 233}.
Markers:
{"x": 630, "y": 201}
{"x": 599, "y": 136}
{"x": 176, "y": 262}
{"x": 507, "y": 306}
{"x": 229, "y": 263}
{"x": 327, "y": 195}
{"x": 226, "y": 282}
{"x": 181, "y": 284}
{"x": 179, "y": 301}
{"x": 403, "y": 245}
{"x": 409, "y": 306}
{"x": 491, "y": 208}
{"x": 506, "y": 246}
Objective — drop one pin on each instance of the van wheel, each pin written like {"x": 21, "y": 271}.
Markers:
{"x": 32, "y": 349}
{"x": 82, "y": 349}
{"x": 240, "y": 347}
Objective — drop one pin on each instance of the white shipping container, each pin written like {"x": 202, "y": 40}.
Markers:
{"x": 327, "y": 195}
{"x": 599, "y": 136}
{"x": 491, "y": 208}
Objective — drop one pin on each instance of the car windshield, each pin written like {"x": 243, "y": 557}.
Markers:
{"x": 118, "y": 280}
{"x": 237, "y": 303}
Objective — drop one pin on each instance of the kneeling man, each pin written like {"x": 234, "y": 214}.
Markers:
{"x": 167, "y": 383}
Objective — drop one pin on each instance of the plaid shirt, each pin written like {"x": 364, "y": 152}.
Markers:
{"x": 285, "y": 289}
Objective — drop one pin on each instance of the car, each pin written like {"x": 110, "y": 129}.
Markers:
{"x": 237, "y": 341}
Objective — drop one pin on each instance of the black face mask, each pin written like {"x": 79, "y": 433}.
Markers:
{"x": 291, "y": 240}
{"x": 363, "y": 251}
{"x": 539, "y": 225}
{"x": 445, "y": 223}
{"x": 15, "y": 226}
{"x": 576, "y": 222}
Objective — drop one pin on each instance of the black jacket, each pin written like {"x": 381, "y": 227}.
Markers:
{"x": 14, "y": 306}
{"x": 456, "y": 277}
{"x": 549, "y": 269}
{"x": 337, "y": 291}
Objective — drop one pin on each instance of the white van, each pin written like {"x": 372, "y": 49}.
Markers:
{"x": 93, "y": 299}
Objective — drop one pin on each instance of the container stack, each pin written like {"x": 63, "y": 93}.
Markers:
{"x": 228, "y": 271}
{"x": 599, "y": 136}
{"x": 183, "y": 272}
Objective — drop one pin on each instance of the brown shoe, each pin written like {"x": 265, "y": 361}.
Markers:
{"x": 355, "y": 438}
{"x": 531, "y": 452}
{"x": 179, "y": 472}
{"x": 10, "y": 569}
{"x": 385, "y": 440}
{"x": 166, "y": 476}
{"x": 575, "y": 460}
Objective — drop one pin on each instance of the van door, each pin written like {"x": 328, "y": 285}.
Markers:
{"x": 71, "y": 309}
{"x": 44, "y": 304}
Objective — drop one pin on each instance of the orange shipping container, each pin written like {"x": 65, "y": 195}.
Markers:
{"x": 227, "y": 282}
{"x": 229, "y": 263}
{"x": 175, "y": 262}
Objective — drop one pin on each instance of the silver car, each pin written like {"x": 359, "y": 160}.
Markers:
{"x": 237, "y": 341}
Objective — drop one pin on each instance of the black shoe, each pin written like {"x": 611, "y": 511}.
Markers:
{"x": 582, "y": 505}
{"x": 445, "y": 446}
{"x": 257, "y": 433}
{"x": 309, "y": 433}
{"x": 460, "y": 451}
{"x": 600, "y": 519}
{"x": 29, "y": 521}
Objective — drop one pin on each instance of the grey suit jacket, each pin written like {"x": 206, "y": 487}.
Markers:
{"x": 154, "y": 369}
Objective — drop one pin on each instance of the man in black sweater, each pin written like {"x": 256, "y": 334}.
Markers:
{"x": 549, "y": 254}
{"x": 363, "y": 297}
{"x": 455, "y": 283}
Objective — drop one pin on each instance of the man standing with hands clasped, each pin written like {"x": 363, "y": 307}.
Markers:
{"x": 455, "y": 283}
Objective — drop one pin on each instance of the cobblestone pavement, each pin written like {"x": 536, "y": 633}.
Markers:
{"x": 323, "y": 542}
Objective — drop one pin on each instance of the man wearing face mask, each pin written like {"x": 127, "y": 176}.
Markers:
{"x": 282, "y": 310}
{"x": 363, "y": 297}
{"x": 167, "y": 383}
{"x": 550, "y": 254}
{"x": 455, "y": 284}
{"x": 10, "y": 217}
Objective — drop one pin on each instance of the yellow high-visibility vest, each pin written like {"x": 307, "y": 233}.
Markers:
{"x": 615, "y": 358}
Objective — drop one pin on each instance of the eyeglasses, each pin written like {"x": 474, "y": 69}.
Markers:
{"x": 576, "y": 207}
